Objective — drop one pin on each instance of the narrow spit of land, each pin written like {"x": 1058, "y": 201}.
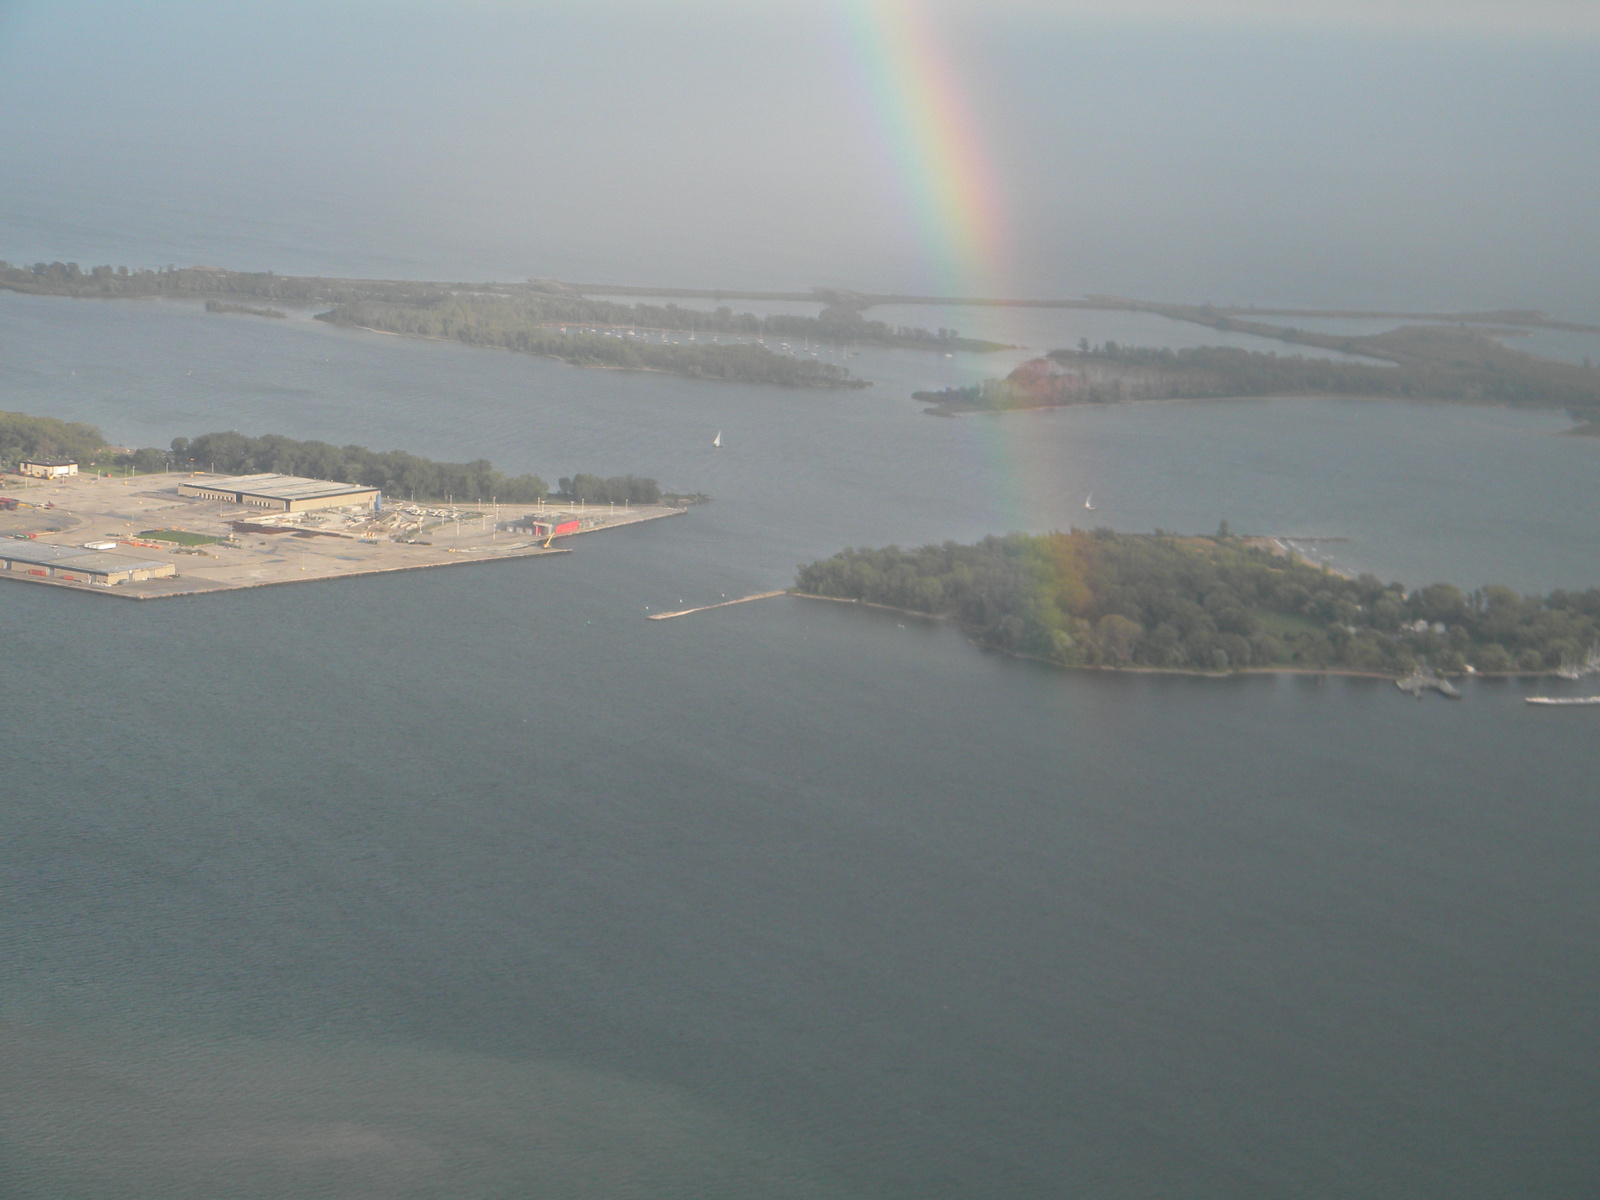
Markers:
{"x": 540, "y": 317}
{"x": 1211, "y": 604}
{"x": 1456, "y": 356}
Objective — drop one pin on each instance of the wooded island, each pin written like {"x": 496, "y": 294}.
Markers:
{"x": 1211, "y": 604}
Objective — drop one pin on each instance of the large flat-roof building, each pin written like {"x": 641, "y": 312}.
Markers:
{"x": 78, "y": 564}
{"x": 281, "y": 493}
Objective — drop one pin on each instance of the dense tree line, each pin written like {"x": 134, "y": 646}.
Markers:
{"x": 1214, "y": 604}
{"x": 400, "y": 475}
{"x": 22, "y": 436}
{"x": 526, "y": 326}
{"x": 1445, "y": 363}
{"x": 68, "y": 279}
{"x": 619, "y": 489}
{"x": 539, "y": 302}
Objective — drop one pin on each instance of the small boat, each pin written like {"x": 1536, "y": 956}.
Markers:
{"x": 716, "y": 442}
{"x": 1088, "y": 502}
{"x": 1562, "y": 699}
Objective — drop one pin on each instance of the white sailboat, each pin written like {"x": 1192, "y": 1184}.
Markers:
{"x": 716, "y": 442}
{"x": 1088, "y": 502}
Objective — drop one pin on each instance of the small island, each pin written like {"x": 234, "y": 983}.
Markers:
{"x": 1432, "y": 362}
{"x": 1209, "y": 604}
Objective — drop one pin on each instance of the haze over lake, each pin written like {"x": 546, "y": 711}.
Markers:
{"x": 474, "y": 882}
{"x": 1314, "y": 153}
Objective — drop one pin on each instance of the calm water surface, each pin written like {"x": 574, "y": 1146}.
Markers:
{"x": 476, "y": 883}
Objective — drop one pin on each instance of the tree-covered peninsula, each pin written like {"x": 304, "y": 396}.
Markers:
{"x": 1206, "y": 604}
{"x": 1417, "y": 362}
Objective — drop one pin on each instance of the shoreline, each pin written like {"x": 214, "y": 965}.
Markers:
{"x": 120, "y": 592}
{"x": 1579, "y": 427}
{"x": 854, "y": 384}
{"x": 1349, "y": 672}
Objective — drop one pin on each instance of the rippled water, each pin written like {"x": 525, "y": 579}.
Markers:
{"x": 475, "y": 882}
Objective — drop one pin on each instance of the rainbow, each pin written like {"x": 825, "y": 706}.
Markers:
{"x": 935, "y": 145}
{"x": 933, "y": 140}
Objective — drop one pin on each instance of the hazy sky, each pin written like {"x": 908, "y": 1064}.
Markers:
{"x": 1428, "y": 153}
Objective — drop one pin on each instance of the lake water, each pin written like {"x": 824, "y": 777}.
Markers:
{"x": 477, "y": 883}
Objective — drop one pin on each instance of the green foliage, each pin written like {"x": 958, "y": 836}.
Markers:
{"x": 619, "y": 489}
{"x": 22, "y": 436}
{"x": 1444, "y": 363}
{"x": 398, "y": 474}
{"x": 1101, "y": 598}
{"x": 537, "y": 300}
{"x": 180, "y": 536}
{"x": 550, "y": 326}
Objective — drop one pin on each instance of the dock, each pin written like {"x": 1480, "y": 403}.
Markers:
{"x": 667, "y": 616}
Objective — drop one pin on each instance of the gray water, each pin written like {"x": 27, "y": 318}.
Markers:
{"x": 477, "y": 883}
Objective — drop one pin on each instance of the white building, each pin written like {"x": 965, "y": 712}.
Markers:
{"x": 47, "y": 468}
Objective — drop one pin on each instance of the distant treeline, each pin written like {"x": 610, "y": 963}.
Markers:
{"x": 219, "y": 306}
{"x": 541, "y": 302}
{"x": 1424, "y": 362}
{"x": 835, "y": 323}
{"x": 524, "y": 325}
{"x": 1211, "y": 604}
{"x": 525, "y": 317}
{"x": 68, "y": 279}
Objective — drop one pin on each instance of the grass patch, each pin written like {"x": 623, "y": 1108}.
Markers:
{"x": 1286, "y": 625}
{"x": 181, "y": 537}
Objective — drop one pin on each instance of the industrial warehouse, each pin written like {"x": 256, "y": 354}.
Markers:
{"x": 282, "y": 493}
{"x": 79, "y": 564}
